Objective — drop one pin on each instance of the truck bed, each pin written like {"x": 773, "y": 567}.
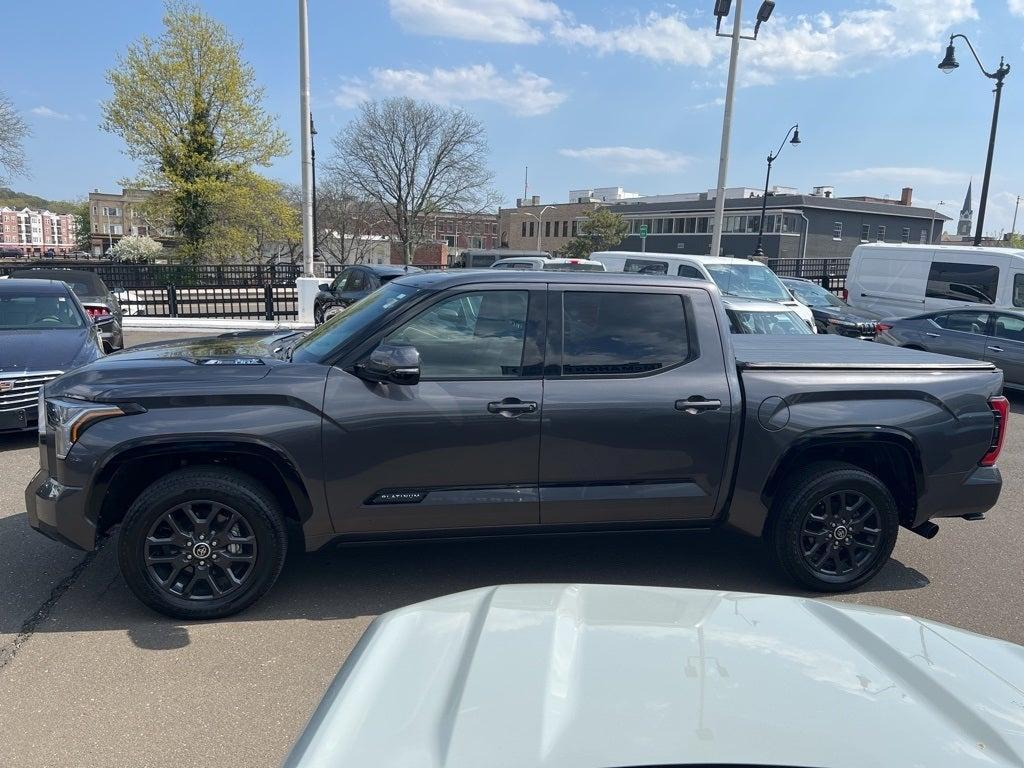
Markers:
{"x": 829, "y": 351}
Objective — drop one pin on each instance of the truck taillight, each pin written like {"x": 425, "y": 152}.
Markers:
{"x": 1001, "y": 411}
{"x": 882, "y": 327}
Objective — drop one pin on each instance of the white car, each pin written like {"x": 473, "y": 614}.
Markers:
{"x": 763, "y": 318}
{"x": 740, "y": 278}
{"x": 594, "y": 676}
{"x": 558, "y": 265}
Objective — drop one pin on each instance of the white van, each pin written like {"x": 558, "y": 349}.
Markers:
{"x": 740, "y": 278}
{"x": 904, "y": 280}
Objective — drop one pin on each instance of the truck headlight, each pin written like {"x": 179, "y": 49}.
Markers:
{"x": 69, "y": 418}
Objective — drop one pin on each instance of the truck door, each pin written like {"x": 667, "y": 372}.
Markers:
{"x": 459, "y": 449}
{"x": 637, "y": 412}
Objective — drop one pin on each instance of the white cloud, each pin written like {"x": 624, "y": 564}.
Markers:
{"x": 907, "y": 175}
{"x": 50, "y": 113}
{"x": 719, "y": 102}
{"x": 1016, "y": 7}
{"x": 630, "y": 159}
{"x": 503, "y": 21}
{"x": 523, "y": 93}
{"x": 656, "y": 37}
{"x": 801, "y": 46}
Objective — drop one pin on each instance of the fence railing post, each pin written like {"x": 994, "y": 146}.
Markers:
{"x": 268, "y": 300}
{"x": 172, "y": 301}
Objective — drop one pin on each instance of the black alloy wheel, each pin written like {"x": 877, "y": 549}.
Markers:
{"x": 200, "y": 550}
{"x": 840, "y": 535}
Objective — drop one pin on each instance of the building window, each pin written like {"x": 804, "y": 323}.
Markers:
{"x": 924, "y": 236}
{"x": 881, "y": 233}
{"x": 837, "y": 230}
{"x": 905, "y": 234}
{"x": 865, "y": 232}
{"x": 547, "y": 229}
{"x": 524, "y": 229}
{"x": 531, "y": 229}
{"x": 565, "y": 229}
{"x": 575, "y": 227}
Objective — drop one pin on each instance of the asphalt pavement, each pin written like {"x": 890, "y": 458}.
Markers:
{"x": 88, "y": 676}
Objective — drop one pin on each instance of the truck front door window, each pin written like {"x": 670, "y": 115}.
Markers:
{"x": 607, "y": 333}
{"x": 476, "y": 335}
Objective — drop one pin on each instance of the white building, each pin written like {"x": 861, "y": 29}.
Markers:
{"x": 600, "y": 195}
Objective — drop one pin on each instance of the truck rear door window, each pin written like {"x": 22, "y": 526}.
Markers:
{"x": 611, "y": 334}
{"x": 975, "y": 283}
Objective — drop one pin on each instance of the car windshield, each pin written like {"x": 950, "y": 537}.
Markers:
{"x": 82, "y": 283}
{"x": 350, "y": 321}
{"x": 20, "y": 310}
{"x": 782, "y": 323}
{"x": 814, "y": 295}
{"x": 748, "y": 281}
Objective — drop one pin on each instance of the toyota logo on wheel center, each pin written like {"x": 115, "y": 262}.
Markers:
{"x": 201, "y": 550}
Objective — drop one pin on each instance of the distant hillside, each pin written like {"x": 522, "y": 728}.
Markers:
{"x": 14, "y": 199}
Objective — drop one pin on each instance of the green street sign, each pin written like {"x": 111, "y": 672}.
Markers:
{"x": 643, "y": 230}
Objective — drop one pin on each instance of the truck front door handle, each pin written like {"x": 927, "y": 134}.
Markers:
{"x": 511, "y": 407}
{"x": 996, "y": 349}
{"x": 696, "y": 404}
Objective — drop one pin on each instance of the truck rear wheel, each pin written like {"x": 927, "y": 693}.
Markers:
{"x": 833, "y": 527}
{"x": 202, "y": 543}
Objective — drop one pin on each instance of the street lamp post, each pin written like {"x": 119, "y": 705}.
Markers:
{"x": 721, "y": 11}
{"x": 931, "y": 227}
{"x": 312, "y": 162}
{"x": 1013, "y": 227}
{"x": 795, "y": 130}
{"x": 947, "y": 65}
{"x": 538, "y": 217}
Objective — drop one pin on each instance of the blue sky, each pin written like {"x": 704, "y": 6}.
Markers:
{"x": 588, "y": 92}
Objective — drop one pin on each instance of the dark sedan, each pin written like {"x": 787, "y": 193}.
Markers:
{"x": 44, "y": 331}
{"x": 99, "y": 302}
{"x": 352, "y": 284}
{"x": 832, "y": 314}
{"x": 993, "y": 335}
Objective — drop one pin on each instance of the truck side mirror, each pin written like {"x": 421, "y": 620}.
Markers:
{"x": 393, "y": 364}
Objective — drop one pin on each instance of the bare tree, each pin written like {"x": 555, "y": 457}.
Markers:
{"x": 13, "y": 132}
{"x": 414, "y": 160}
{"x": 348, "y": 229}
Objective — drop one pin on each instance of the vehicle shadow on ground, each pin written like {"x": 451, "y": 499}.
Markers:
{"x": 18, "y": 441}
{"x": 350, "y": 581}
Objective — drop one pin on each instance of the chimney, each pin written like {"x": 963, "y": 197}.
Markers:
{"x": 906, "y": 196}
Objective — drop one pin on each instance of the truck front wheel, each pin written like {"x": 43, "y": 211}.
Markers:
{"x": 833, "y": 526}
{"x": 202, "y": 543}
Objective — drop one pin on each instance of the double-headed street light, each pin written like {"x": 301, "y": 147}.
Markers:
{"x": 795, "y": 131}
{"x": 538, "y": 217}
{"x": 722, "y": 8}
{"x": 947, "y": 65}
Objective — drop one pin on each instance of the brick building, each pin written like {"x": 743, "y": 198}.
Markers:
{"x": 114, "y": 216}
{"x": 531, "y": 226}
{"x": 34, "y": 233}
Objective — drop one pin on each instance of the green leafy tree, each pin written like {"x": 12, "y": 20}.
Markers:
{"x": 83, "y": 224}
{"x": 135, "y": 248}
{"x": 189, "y": 110}
{"x": 600, "y": 230}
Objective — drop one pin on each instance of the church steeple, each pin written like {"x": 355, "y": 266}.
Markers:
{"x": 963, "y": 228}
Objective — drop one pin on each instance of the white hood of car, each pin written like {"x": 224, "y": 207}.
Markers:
{"x": 567, "y": 676}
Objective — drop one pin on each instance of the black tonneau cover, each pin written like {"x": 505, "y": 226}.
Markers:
{"x": 829, "y": 351}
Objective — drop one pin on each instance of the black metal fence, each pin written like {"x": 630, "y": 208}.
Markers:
{"x": 828, "y": 273}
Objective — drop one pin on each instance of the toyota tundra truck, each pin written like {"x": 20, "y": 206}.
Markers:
{"x": 466, "y": 403}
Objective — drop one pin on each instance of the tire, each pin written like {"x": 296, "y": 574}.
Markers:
{"x": 231, "y": 520}
{"x": 318, "y": 315}
{"x": 837, "y": 513}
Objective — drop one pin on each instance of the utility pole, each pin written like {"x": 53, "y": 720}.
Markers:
{"x": 1013, "y": 227}
{"x": 723, "y": 159}
{"x": 305, "y": 122}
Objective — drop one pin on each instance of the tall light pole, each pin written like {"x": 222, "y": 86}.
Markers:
{"x": 305, "y": 123}
{"x": 947, "y": 65}
{"x": 721, "y": 11}
{"x": 312, "y": 164}
{"x": 538, "y": 217}
{"x": 795, "y": 130}
{"x": 1013, "y": 227}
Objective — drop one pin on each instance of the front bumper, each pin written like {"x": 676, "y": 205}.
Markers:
{"x": 59, "y": 511}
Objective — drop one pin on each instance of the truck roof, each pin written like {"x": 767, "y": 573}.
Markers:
{"x": 828, "y": 351}
{"x": 441, "y": 279}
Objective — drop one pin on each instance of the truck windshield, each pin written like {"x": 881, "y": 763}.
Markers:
{"x": 748, "y": 281}
{"x": 353, "y": 319}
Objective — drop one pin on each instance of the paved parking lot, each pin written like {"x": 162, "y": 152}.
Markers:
{"x": 89, "y": 676}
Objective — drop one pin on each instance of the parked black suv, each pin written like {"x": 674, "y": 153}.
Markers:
{"x": 351, "y": 285}
{"x": 511, "y": 402}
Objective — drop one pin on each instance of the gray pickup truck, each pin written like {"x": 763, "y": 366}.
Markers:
{"x": 468, "y": 403}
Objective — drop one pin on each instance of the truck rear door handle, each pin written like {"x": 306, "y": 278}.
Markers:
{"x": 933, "y": 335}
{"x": 511, "y": 407}
{"x": 695, "y": 404}
{"x": 996, "y": 349}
